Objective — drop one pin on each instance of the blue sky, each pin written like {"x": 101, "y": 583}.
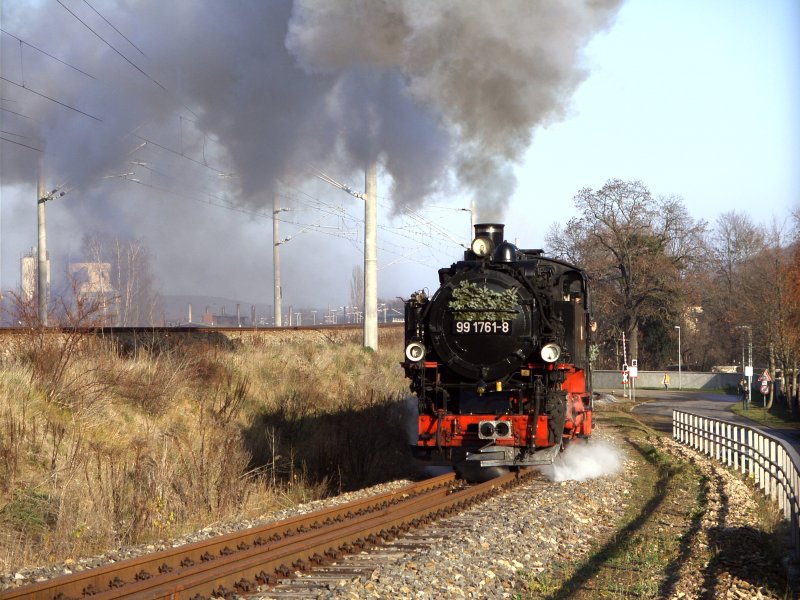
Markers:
{"x": 695, "y": 99}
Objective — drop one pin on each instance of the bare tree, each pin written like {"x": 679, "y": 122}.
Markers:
{"x": 769, "y": 301}
{"x": 357, "y": 287}
{"x": 635, "y": 247}
{"x": 719, "y": 286}
{"x": 131, "y": 277}
{"x": 734, "y": 241}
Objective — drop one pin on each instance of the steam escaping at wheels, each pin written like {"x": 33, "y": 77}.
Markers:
{"x": 580, "y": 462}
{"x": 498, "y": 359}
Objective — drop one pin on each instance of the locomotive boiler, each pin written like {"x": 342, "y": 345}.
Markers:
{"x": 498, "y": 357}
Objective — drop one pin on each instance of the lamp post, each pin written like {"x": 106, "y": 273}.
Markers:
{"x": 680, "y": 378}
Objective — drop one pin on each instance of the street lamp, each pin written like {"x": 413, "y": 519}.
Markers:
{"x": 680, "y": 379}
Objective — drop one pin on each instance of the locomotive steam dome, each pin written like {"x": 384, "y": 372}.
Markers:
{"x": 481, "y": 322}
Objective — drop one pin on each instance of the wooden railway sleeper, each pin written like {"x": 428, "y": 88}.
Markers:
{"x": 299, "y": 565}
{"x": 223, "y": 592}
{"x": 264, "y": 578}
{"x": 244, "y": 585}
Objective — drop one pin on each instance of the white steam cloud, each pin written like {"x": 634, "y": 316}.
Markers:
{"x": 580, "y": 462}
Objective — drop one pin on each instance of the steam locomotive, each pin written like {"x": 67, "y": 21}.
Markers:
{"x": 498, "y": 358}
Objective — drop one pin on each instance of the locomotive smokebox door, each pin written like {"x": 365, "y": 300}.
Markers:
{"x": 483, "y": 324}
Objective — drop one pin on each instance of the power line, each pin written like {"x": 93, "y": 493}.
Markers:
{"x": 21, "y": 41}
{"x": 129, "y": 61}
{"x": 114, "y": 28}
{"x": 19, "y": 135}
{"x": 51, "y": 99}
{"x": 20, "y": 144}
{"x": 18, "y": 114}
{"x": 175, "y": 152}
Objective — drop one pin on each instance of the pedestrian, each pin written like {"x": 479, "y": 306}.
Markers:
{"x": 743, "y": 392}
{"x": 666, "y": 381}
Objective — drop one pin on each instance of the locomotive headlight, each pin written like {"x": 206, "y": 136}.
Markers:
{"x": 415, "y": 352}
{"x": 550, "y": 353}
{"x": 482, "y": 246}
{"x": 502, "y": 429}
{"x": 486, "y": 430}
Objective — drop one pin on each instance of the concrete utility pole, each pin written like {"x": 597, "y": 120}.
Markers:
{"x": 41, "y": 285}
{"x": 371, "y": 258}
{"x": 276, "y": 262}
{"x": 370, "y": 198}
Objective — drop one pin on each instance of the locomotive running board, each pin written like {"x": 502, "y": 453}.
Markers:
{"x": 504, "y": 456}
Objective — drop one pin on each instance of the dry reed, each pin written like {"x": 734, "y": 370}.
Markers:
{"x": 100, "y": 448}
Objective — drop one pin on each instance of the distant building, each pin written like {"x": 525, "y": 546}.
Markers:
{"x": 29, "y": 274}
{"x": 92, "y": 282}
{"x": 224, "y": 320}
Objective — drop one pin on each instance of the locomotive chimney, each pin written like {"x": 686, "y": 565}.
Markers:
{"x": 494, "y": 231}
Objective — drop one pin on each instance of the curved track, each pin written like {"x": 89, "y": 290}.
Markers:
{"x": 244, "y": 560}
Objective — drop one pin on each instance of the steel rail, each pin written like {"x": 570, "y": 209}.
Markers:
{"x": 233, "y": 573}
{"x": 113, "y": 578}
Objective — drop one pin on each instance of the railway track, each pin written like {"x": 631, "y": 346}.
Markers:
{"x": 245, "y": 561}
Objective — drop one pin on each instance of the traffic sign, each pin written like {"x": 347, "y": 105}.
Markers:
{"x": 765, "y": 376}
{"x": 633, "y": 371}
{"x": 764, "y": 387}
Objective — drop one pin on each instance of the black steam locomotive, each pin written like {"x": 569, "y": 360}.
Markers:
{"x": 498, "y": 357}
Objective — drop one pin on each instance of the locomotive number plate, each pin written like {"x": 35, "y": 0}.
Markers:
{"x": 482, "y": 327}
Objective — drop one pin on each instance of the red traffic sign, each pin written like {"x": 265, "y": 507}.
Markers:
{"x": 764, "y": 387}
{"x": 765, "y": 376}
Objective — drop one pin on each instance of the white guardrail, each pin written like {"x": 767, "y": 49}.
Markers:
{"x": 752, "y": 452}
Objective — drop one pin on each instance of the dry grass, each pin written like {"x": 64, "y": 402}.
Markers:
{"x": 98, "y": 449}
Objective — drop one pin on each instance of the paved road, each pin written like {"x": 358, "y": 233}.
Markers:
{"x": 658, "y": 405}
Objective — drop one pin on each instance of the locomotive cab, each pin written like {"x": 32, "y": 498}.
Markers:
{"x": 498, "y": 357}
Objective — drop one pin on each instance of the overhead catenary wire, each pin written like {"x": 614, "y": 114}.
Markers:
{"x": 176, "y": 153}
{"x": 102, "y": 39}
{"x": 21, "y": 41}
{"x": 32, "y": 91}
{"x": 19, "y": 135}
{"x": 343, "y": 231}
{"x": 114, "y": 28}
{"x": 331, "y": 210}
{"x": 129, "y": 61}
{"x": 20, "y": 144}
